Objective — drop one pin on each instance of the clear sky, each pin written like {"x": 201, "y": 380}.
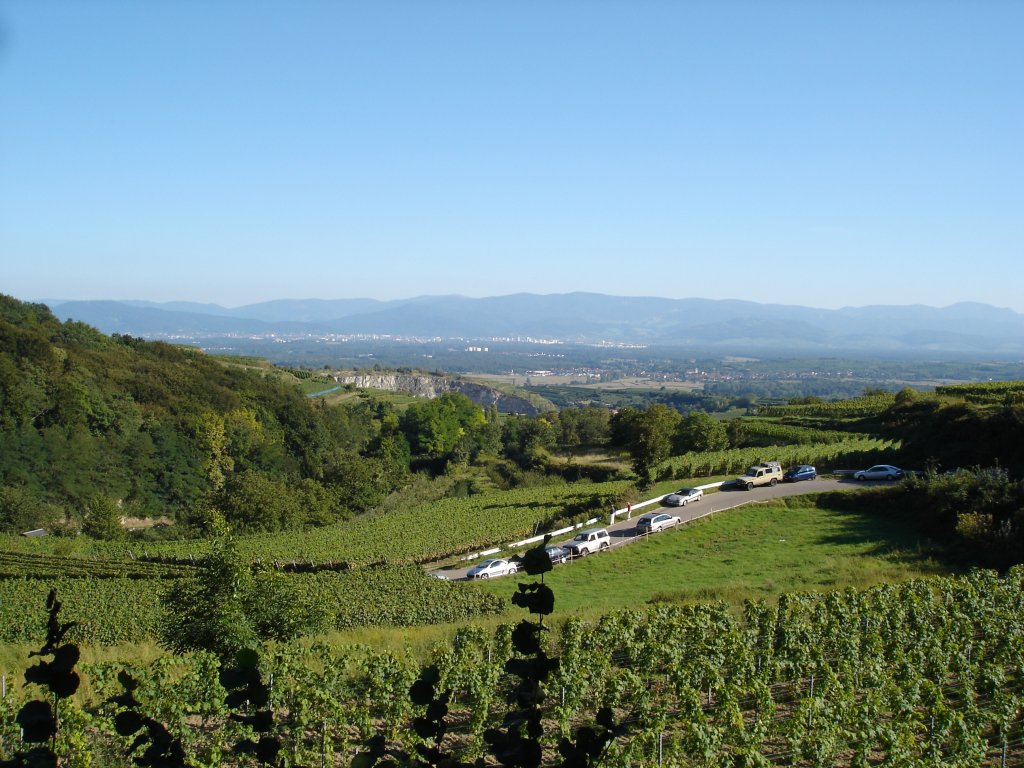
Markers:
{"x": 819, "y": 153}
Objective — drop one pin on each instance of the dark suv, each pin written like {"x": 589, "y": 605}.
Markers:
{"x": 803, "y": 472}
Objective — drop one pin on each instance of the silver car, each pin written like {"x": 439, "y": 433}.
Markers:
{"x": 654, "y": 522}
{"x": 683, "y": 496}
{"x": 490, "y": 568}
{"x": 879, "y": 472}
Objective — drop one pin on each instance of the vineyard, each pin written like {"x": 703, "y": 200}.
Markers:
{"x": 768, "y": 432}
{"x": 851, "y": 450}
{"x": 854, "y": 408}
{"x": 926, "y": 673}
{"x": 420, "y": 533}
{"x": 991, "y": 392}
{"x": 15, "y": 565}
{"x": 116, "y": 610}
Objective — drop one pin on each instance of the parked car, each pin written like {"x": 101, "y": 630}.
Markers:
{"x": 588, "y": 542}
{"x": 879, "y": 472}
{"x": 654, "y": 522}
{"x": 557, "y": 554}
{"x": 683, "y": 496}
{"x": 801, "y": 472}
{"x": 767, "y": 473}
{"x": 491, "y": 568}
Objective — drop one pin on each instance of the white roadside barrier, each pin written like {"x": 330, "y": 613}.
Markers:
{"x": 615, "y": 512}
{"x": 655, "y": 500}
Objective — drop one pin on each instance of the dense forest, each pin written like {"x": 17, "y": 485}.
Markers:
{"x": 95, "y": 426}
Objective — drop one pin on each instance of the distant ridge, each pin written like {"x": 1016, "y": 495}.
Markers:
{"x": 973, "y": 328}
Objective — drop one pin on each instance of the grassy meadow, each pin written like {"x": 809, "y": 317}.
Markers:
{"x": 756, "y": 551}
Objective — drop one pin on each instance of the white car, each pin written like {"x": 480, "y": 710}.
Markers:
{"x": 491, "y": 568}
{"x": 588, "y": 542}
{"x": 879, "y": 472}
{"x": 654, "y": 522}
{"x": 684, "y": 496}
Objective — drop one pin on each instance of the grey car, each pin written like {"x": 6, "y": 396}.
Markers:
{"x": 879, "y": 472}
{"x": 557, "y": 554}
{"x": 654, "y": 522}
{"x": 683, "y": 496}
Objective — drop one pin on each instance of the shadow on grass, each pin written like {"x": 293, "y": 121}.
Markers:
{"x": 892, "y": 541}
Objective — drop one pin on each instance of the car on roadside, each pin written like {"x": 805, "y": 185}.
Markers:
{"x": 879, "y": 472}
{"x": 489, "y": 569}
{"x": 557, "y": 554}
{"x": 683, "y": 496}
{"x": 766, "y": 473}
{"x": 654, "y": 522}
{"x": 588, "y": 542}
{"x": 800, "y": 472}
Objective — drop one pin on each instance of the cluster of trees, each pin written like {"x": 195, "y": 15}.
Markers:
{"x": 95, "y": 428}
{"x": 653, "y": 435}
{"x": 978, "y": 513}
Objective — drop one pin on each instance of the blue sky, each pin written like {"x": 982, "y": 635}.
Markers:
{"x": 819, "y": 153}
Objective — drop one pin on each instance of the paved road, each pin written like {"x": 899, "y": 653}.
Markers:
{"x": 727, "y": 497}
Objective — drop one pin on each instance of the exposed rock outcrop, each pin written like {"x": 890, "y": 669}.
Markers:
{"x": 434, "y": 386}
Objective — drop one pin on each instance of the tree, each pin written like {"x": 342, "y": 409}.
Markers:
{"x": 525, "y": 440}
{"x": 700, "y": 432}
{"x": 226, "y": 608}
{"x": 583, "y": 426}
{"x": 256, "y": 502}
{"x": 434, "y": 428}
{"x": 102, "y": 519}
{"x": 623, "y": 427}
{"x": 20, "y": 511}
{"x": 651, "y": 441}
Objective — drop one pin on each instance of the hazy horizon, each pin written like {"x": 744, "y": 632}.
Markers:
{"x": 60, "y": 300}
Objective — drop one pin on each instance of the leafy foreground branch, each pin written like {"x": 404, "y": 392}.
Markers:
{"x": 518, "y": 742}
{"x": 153, "y": 743}
{"x": 40, "y": 718}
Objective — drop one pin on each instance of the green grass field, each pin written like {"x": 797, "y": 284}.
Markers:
{"x": 757, "y": 551}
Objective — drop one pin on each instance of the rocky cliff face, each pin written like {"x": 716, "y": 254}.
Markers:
{"x": 433, "y": 386}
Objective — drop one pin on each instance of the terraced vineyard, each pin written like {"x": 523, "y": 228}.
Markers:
{"x": 127, "y": 610}
{"x": 416, "y": 534}
{"x": 45, "y": 566}
{"x": 770, "y": 432}
{"x": 851, "y": 450}
{"x": 989, "y": 392}
{"x": 857, "y": 407}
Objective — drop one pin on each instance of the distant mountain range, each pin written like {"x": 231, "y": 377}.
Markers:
{"x": 726, "y": 325}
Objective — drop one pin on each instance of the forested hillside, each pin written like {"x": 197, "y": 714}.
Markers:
{"x": 93, "y": 428}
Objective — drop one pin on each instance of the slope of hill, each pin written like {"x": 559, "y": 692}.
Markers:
{"x": 94, "y": 426}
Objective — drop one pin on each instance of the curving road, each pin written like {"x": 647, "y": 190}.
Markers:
{"x": 726, "y": 497}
